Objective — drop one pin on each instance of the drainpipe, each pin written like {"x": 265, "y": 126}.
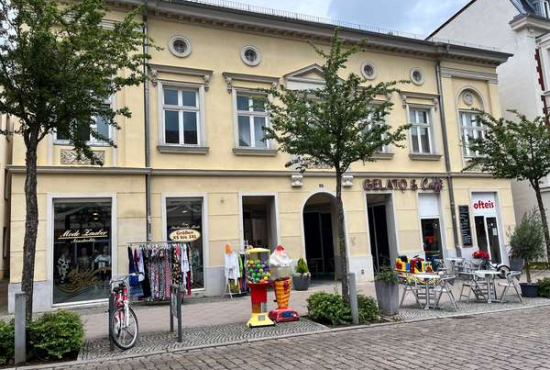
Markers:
{"x": 446, "y": 155}
{"x": 147, "y": 115}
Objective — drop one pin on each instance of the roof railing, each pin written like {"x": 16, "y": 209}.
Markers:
{"x": 322, "y": 20}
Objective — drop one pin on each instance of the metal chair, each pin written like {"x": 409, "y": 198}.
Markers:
{"x": 409, "y": 285}
{"x": 445, "y": 287}
{"x": 474, "y": 285}
{"x": 510, "y": 281}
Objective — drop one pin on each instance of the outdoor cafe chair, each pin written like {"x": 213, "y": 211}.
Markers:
{"x": 409, "y": 285}
{"x": 473, "y": 285}
{"x": 445, "y": 286}
{"x": 510, "y": 282}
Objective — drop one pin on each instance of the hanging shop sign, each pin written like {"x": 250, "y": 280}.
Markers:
{"x": 185, "y": 235}
{"x": 425, "y": 184}
{"x": 83, "y": 236}
{"x": 465, "y": 226}
{"x": 484, "y": 204}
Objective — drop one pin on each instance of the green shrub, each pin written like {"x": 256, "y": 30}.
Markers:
{"x": 56, "y": 335}
{"x": 387, "y": 275}
{"x": 544, "y": 288}
{"x": 539, "y": 266}
{"x": 368, "y": 310}
{"x": 301, "y": 267}
{"x": 6, "y": 341}
{"x": 328, "y": 309}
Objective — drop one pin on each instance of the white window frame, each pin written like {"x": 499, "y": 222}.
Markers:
{"x": 546, "y": 8}
{"x": 384, "y": 148}
{"x": 478, "y": 132}
{"x": 416, "y": 126}
{"x": 251, "y": 114}
{"x": 93, "y": 141}
{"x": 180, "y": 108}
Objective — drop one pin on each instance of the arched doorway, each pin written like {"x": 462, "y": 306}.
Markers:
{"x": 321, "y": 236}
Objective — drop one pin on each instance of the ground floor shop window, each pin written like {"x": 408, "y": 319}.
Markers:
{"x": 430, "y": 223}
{"x": 82, "y": 250}
{"x": 259, "y": 221}
{"x": 184, "y": 221}
{"x": 484, "y": 209}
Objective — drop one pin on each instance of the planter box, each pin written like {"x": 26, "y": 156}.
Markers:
{"x": 529, "y": 290}
{"x": 301, "y": 281}
{"x": 388, "y": 297}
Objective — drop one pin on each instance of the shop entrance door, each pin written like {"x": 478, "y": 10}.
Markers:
{"x": 380, "y": 216}
{"x": 320, "y": 236}
{"x": 488, "y": 237}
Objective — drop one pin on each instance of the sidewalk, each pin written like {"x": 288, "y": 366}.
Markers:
{"x": 203, "y": 312}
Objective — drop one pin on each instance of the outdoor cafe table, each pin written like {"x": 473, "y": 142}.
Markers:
{"x": 427, "y": 277}
{"x": 489, "y": 276}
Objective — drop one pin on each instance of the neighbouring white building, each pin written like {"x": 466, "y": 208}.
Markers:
{"x": 522, "y": 28}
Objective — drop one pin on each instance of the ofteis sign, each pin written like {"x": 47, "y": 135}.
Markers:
{"x": 425, "y": 184}
{"x": 185, "y": 235}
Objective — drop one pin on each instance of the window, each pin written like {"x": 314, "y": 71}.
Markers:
{"x": 471, "y": 129}
{"x": 250, "y": 55}
{"x": 180, "y": 46}
{"x": 181, "y": 116}
{"x": 417, "y": 76}
{"x": 546, "y": 8}
{"x": 420, "y": 131}
{"x": 184, "y": 214}
{"x": 368, "y": 70}
{"x": 373, "y": 123}
{"x": 100, "y": 126}
{"x": 251, "y": 120}
{"x": 430, "y": 222}
{"x": 82, "y": 253}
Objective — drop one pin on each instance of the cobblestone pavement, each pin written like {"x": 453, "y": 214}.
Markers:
{"x": 506, "y": 340}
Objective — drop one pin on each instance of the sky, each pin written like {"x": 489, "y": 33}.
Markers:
{"x": 413, "y": 16}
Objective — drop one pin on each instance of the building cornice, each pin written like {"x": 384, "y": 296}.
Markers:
{"x": 205, "y": 74}
{"x": 230, "y": 77}
{"x": 314, "y": 31}
{"x": 471, "y": 75}
{"x": 530, "y": 21}
{"x": 92, "y": 170}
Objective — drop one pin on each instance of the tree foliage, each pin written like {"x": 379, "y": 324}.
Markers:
{"x": 515, "y": 149}
{"x": 58, "y": 64}
{"x": 527, "y": 240}
{"x": 340, "y": 123}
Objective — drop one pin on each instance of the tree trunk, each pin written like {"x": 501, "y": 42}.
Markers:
{"x": 543, "y": 218}
{"x": 527, "y": 271}
{"x": 342, "y": 238}
{"x": 31, "y": 229}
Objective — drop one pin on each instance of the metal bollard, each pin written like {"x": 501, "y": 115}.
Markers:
{"x": 20, "y": 328}
{"x": 353, "y": 298}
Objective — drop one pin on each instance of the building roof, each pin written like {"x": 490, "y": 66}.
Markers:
{"x": 222, "y": 13}
{"x": 525, "y": 8}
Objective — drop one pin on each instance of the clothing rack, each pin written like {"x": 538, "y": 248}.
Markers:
{"x": 163, "y": 263}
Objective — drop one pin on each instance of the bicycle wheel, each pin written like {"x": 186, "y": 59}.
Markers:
{"x": 124, "y": 336}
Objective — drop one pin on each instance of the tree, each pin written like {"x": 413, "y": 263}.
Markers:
{"x": 58, "y": 64}
{"x": 515, "y": 149}
{"x": 527, "y": 240}
{"x": 334, "y": 126}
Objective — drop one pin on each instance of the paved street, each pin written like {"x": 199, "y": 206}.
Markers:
{"x": 513, "y": 340}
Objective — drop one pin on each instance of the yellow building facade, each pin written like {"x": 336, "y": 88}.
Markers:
{"x": 191, "y": 158}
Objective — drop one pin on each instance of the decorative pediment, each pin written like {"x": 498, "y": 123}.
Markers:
{"x": 310, "y": 74}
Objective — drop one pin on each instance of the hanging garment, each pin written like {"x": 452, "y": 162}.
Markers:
{"x": 135, "y": 287}
{"x": 231, "y": 266}
{"x": 176, "y": 265}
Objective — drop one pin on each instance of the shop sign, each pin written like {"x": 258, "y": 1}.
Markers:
{"x": 426, "y": 184}
{"x": 83, "y": 236}
{"x": 185, "y": 235}
{"x": 484, "y": 204}
{"x": 465, "y": 227}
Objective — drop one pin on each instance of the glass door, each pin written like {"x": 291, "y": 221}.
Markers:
{"x": 481, "y": 233}
{"x": 431, "y": 238}
{"x": 494, "y": 240}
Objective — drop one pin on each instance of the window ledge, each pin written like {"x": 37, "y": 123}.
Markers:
{"x": 255, "y": 152}
{"x": 425, "y": 157}
{"x": 91, "y": 145}
{"x": 183, "y": 149}
{"x": 383, "y": 156}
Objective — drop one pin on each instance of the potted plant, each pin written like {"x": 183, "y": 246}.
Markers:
{"x": 387, "y": 291}
{"x": 301, "y": 278}
{"x": 527, "y": 243}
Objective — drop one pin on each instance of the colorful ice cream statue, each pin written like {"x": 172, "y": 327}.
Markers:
{"x": 280, "y": 265}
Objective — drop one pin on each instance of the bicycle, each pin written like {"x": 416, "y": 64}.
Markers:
{"x": 123, "y": 322}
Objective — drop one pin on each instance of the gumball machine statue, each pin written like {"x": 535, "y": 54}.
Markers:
{"x": 281, "y": 269}
{"x": 258, "y": 279}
